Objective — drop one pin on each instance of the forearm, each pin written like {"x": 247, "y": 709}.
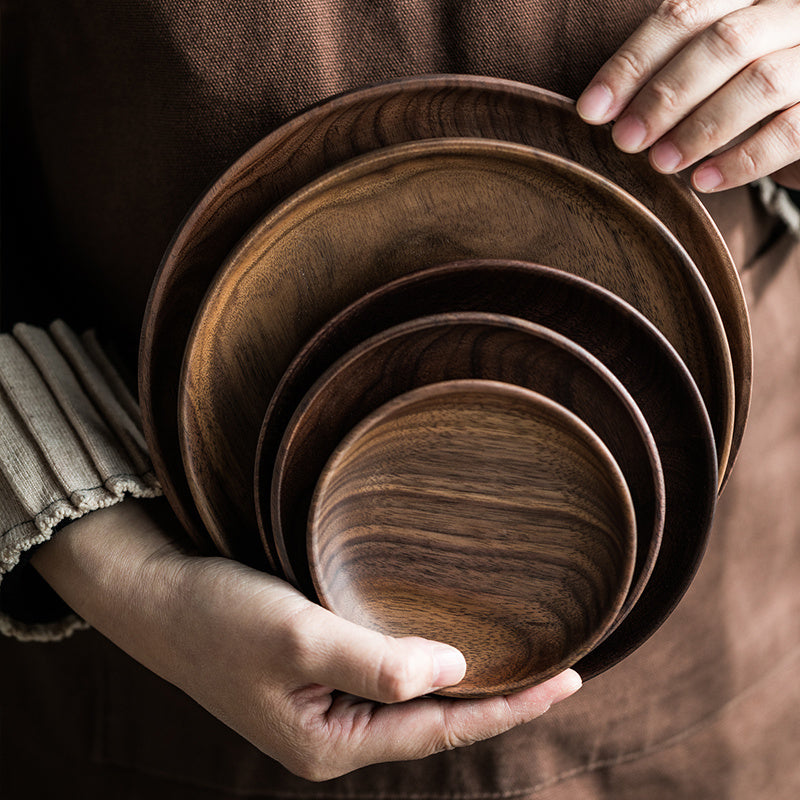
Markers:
{"x": 112, "y": 568}
{"x": 70, "y": 444}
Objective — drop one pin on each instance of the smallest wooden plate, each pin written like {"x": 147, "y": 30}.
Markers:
{"x": 479, "y": 514}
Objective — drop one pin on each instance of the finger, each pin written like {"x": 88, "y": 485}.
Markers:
{"x": 773, "y": 147}
{"x": 788, "y": 176}
{"x": 430, "y": 725}
{"x": 332, "y": 651}
{"x": 658, "y": 39}
{"x": 766, "y": 86}
{"x": 705, "y": 65}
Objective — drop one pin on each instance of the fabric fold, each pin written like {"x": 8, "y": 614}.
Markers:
{"x": 780, "y": 203}
{"x": 70, "y": 443}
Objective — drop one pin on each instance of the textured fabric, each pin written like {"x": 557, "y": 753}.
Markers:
{"x": 705, "y": 709}
{"x": 67, "y": 446}
{"x": 126, "y": 111}
{"x": 780, "y": 203}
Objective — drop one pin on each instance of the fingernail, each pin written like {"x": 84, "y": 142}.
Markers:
{"x": 594, "y": 104}
{"x": 666, "y": 157}
{"x": 629, "y": 134}
{"x": 449, "y": 666}
{"x": 706, "y": 179}
{"x": 569, "y": 683}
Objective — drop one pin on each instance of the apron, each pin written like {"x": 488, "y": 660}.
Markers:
{"x": 125, "y": 112}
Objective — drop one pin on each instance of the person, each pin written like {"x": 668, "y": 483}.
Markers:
{"x": 127, "y": 111}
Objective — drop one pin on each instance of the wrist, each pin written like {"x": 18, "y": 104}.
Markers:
{"x": 99, "y": 564}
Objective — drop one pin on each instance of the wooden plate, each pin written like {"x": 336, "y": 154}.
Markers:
{"x": 446, "y": 347}
{"x": 359, "y": 122}
{"x": 391, "y": 213}
{"x": 619, "y": 337}
{"x": 482, "y": 515}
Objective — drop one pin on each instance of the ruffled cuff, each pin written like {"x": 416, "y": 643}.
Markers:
{"x": 70, "y": 443}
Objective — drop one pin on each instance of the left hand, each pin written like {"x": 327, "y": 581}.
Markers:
{"x": 318, "y": 693}
{"x": 711, "y": 83}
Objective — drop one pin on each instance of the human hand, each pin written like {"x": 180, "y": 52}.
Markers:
{"x": 265, "y": 660}
{"x": 700, "y": 75}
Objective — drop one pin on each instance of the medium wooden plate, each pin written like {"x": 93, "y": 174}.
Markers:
{"x": 446, "y": 347}
{"x": 619, "y": 337}
{"x": 359, "y": 122}
{"x": 482, "y": 515}
{"x": 391, "y": 213}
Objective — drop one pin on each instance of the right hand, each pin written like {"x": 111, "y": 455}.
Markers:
{"x": 321, "y": 695}
{"x": 707, "y": 84}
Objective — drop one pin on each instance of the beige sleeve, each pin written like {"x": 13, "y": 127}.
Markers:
{"x": 70, "y": 443}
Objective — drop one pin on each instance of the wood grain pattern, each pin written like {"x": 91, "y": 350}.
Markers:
{"x": 394, "y": 212}
{"x": 616, "y": 335}
{"x": 346, "y": 126}
{"x": 482, "y": 515}
{"x": 446, "y": 347}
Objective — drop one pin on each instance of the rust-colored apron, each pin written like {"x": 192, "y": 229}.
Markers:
{"x": 122, "y": 113}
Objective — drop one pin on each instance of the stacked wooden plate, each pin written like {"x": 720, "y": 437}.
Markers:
{"x": 440, "y": 355}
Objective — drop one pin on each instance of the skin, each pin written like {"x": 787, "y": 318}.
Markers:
{"x": 265, "y": 660}
{"x": 710, "y": 86}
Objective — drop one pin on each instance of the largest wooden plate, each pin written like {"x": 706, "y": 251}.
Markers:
{"x": 394, "y": 212}
{"x": 361, "y": 121}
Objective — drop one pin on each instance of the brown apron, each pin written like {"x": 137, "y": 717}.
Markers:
{"x": 122, "y": 113}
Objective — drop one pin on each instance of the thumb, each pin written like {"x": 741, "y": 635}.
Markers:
{"x": 355, "y": 660}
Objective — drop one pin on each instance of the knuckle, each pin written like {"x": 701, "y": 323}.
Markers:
{"x": 464, "y": 735}
{"x": 777, "y": 144}
{"x": 749, "y": 161}
{"x": 768, "y": 80}
{"x": 456, "y": 736}
{"x": 298, "y": 646}
{"x": 396, "y": 679}
{"x": 683, "y": 14}
{"x": 665, "y": 95}
{"x": 733, "y": 36}
{"x": 630, "y": 64}
{"x": 787, "y": 128}
{"x": 454, "y": 740}
{"x": 704, "y": 133}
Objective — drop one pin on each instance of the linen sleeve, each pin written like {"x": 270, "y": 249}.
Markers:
{"x": 70, "y": 443}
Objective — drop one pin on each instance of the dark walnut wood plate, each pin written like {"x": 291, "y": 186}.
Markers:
{"x": 446, "y": 347}
{"x": 391, "y": 213}
{"x": 619, "y": 337}
{"x": 359, "y": 122}
{"x": 482, "y": 515}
